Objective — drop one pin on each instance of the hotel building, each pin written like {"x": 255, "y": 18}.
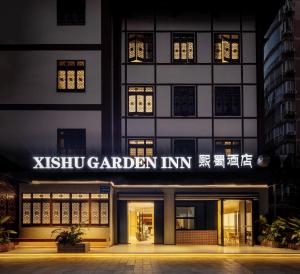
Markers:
{"x": 82, "y": 79}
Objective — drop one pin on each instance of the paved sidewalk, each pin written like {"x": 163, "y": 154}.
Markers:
{"x": 165, "y": 249}
{"x": 160, "y": 264}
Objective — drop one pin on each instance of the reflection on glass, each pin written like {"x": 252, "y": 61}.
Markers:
{"x": 237, "y": 222}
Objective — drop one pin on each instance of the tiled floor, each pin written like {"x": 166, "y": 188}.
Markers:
{"x": 169, "y": 249}
{"x": 150, "y": 264}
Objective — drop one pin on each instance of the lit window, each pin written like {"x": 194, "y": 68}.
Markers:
{"x": 141, "y": 148}
{"x": 140, "y": 100}
{"x": 184, "y": 101}
{"x": 227, "y": 101}
{"x": 62, "y": 210}
{"x": 227, "y": 48}
{"x": 70, "y": 12}
{"x": 71, "y": 76}
{"x": 71, "y": 141}
{"x": 183, "y": 47}
{"x": 140, "y": 47}
{"x": 227, "y": 147}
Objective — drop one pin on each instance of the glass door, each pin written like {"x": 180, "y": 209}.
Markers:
{"x": 141, "y": 222}
{"x": 237, "y": 222}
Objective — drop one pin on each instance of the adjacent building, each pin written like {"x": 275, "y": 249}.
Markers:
{"x": 88, "y": 81}
{"x": 281, "y": 107}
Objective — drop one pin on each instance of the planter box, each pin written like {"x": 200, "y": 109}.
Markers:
{"x": 271, "y": 244}
{"x": 77, "y": 248}
{"x": 294, "y": 246}
{"x": 7, "y": 247}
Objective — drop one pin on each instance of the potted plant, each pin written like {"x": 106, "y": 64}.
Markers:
{"x": 294, "y": 239}
{"x": 70, "y": 240}
{"x": 5, "y": 242}
{"x": 263, "y": 229}
{"x": 276, "y": 234}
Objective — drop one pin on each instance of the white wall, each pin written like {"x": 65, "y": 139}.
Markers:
{"x": 30, "y": 77}
{"x": 30, "y": 133}
{"x": 35, "y": 22}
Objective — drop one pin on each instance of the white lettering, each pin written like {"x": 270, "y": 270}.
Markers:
{"x": 105, "y": 164}
{"x": 38, "y": 163}
{"x": 92, "y": 162}
{"x": 79, "y": 162}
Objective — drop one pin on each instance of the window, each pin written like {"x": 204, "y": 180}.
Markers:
{"x": 184, "y": 101}
{"x": 140, "y": 47}
{"x": 70, "y": 12}
{"x": 71, "y": 141}
{"x": 183, "y": 47}
{"x": 184, "y": 147}
{"x": 140, "y": 101}
{"x": 185, "y": 218}
{"x": 227, "y": 48}
{"x": 227, "y": 101}
{"x": 227, "y": 147}
{"x": 64, "y": 209}
{"x": 141, "y": 148}
{"x": 71, "y": 76}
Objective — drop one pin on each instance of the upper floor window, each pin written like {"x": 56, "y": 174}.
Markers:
{"x": 71, "y": 76}
{"x": 184, "y": 147}
{"x": 140, "y": 101}
{"x": 184, "y": 101}
{"x": 71, "y": 142}
{"x": 140, "y": 47}
{"x": 226, "y": 48}
{"x": 70, "y": 12}
{"x": 227, "y": 147}
{"x": 141, "y": 147}
{"x": 227, "y": 101}
{"x": 183, "y": 47}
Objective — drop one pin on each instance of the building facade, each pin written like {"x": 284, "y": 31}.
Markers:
{"x": 279, "y": 90}
{"x": 281, "y": 108}
{"x": 90, "y": 81}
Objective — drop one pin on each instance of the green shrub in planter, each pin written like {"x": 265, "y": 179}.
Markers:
{"x": 279, "y": 232}
{"x": 294, "y": 237}
{"x": 73, "y": 235}
{"x": 5, "y": 241}
{"x": 70, "y": 240}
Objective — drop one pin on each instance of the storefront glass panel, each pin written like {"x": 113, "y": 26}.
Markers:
{"x": 237, "y": 222}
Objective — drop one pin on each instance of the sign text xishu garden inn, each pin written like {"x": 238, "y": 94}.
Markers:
{"x": 205, "y": 161}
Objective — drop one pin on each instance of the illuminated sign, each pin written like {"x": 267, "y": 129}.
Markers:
{"x": 205, "y": 161}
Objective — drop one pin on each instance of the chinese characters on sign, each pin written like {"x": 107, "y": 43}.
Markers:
{"x": 222, "y": 161}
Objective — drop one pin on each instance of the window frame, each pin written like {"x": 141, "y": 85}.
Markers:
{"x": 75, "y": 68}
{"x": 180, "y": 60}
{"x": 173, "y": 100}
{"x": 62, "y": 21}
{"x": 215, "y": 101}
{"x": 185, "y": 139}
{"x": 59, "y": 130}
{"x": 224, "y": 146}
{"x": 185, "y": 218}
{"x": 231, "y": 62}
{"x": 144, "y": 94}
{"x": 70, "y": 201}
{"x": 145, "y": 61}
{"x": 144, "y": 146}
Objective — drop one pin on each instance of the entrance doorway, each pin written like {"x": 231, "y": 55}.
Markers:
{"x": 141, "y": 222}
{"x": 237, "y": 222}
